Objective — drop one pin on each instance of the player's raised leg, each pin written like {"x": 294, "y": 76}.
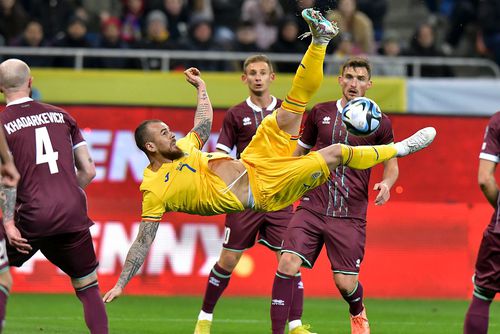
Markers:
{"x": 309, "y": 75}
{"x": 363, "y": 157}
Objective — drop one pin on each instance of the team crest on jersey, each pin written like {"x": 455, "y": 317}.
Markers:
{"x": 326, "y": 120}
{"x": 247, "y": 121}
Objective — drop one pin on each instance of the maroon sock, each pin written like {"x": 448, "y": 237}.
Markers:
{"x": 282, "y": 295}
{"x": 217, "y": 283}
{"x": 4, "y": 295}
{"x": 477, "y": 317}
{"x": 355, "y": 300}
{"x": 93, "y": 308}
{"x": 297, "y": 303}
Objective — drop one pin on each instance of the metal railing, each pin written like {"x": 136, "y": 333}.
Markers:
{"x": 487, "y": 66}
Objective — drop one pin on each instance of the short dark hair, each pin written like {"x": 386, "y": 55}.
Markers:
{"x": 142, "y": 135}
{"x": 357, "y": 62}
{"x": 257, "y": 59}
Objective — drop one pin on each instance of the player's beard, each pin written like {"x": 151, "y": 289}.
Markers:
{"x": 174, "y": 154}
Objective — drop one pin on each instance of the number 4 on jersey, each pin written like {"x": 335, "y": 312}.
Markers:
{"x": 44, "y": 151}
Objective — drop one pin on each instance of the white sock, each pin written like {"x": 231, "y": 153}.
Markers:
{"x": 294, "y": 324}
{"x": 205, "y": 316}
{"x": 402, "y": 151}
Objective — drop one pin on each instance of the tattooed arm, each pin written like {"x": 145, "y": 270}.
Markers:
{"x": 135, "y": 258}
{"x": 8, "y": 205}
{"x": 85, "y": 167}
{"x": 204, "y": 111}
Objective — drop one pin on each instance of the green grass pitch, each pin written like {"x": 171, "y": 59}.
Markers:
{"x": 30, "y": 313}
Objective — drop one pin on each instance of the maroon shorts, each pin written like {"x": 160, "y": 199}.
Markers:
{"x": 487, "y": 273}
{"x": 72, "y": 252}
{"x": 344, "y": 239}
{"x": 243, "y": 228}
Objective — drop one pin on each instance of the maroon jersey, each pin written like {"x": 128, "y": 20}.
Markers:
{"x": 491, "y": 151}
{"x": 346, "y": 192}
{"x": 42, "y": 138}
{"x": 240, "y": 124}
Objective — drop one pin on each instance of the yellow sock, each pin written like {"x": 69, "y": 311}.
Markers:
{"x": 364, "y": 157}
{"x": 307, "y": 80}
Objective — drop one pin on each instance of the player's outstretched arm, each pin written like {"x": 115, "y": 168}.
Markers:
{"x": 135, "y": 258}
{"x": 204, "y": 112}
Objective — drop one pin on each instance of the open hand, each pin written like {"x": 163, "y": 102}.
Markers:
{"x": 15, "y": 239}
{"x": 112, "y": 294}
{"x": 384, "y": 193}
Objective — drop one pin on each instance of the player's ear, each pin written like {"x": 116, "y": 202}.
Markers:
{"x": 244, "y": 78}
{"x": 272, "y": 76}
{"x": 30, "y": 82}
{"x": 150, "y": 146}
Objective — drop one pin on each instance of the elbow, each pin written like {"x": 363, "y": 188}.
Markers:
{"x": 483, "y": 179}
{"x": 89, "y": 173}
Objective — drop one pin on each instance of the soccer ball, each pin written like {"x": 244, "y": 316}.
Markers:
{"x": 361, "y": 116}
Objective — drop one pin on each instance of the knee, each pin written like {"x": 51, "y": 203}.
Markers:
{"x": 289, "y": 264}
{"x": 346, "y": 283}
{"x": 332, "y": 155}
{"x": 6, "y": 280}
{"x": 228, "y": 260}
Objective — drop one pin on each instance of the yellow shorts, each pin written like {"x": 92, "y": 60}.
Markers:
{"x": 276, "y": 178}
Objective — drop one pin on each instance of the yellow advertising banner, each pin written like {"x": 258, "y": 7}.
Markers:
{"x": 170, "y": 89}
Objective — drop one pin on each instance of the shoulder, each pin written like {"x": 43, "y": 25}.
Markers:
{"x": 238, "y": 108}
{"x": 329, "y": 106}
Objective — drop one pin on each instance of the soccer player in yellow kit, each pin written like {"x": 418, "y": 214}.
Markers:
{"x": 266, "y": 178}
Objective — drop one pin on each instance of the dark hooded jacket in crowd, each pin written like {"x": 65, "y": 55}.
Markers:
{"x": 194, "y": 44}
{"x": 417, "y": 50}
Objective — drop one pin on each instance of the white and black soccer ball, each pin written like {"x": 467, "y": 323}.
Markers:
{"x": 361, "y": 116}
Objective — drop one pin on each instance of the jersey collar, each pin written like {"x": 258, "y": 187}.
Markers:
{"x": 255, "y": 107}
{"x": 19, "y": 101}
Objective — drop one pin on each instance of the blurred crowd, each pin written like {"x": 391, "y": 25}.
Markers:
{"x": 239, "y": 25}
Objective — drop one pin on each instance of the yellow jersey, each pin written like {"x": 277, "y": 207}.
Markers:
{"x": 187, "y": 185}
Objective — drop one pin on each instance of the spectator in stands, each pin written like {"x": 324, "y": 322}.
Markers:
{"x": 75, "y": 37}
{"x": 201, "y": 9}
{"x": 246, "y": 39}
{"x": 53, "y": 15}
{"x": 375, "y": 10}
{"x": 178, "y": 18}
{"x": 201, "y": 38}
{"x": 288, "y": 42}
{"x": 33, "y": 37}
{"x": 132, "y": 18}
{"x": 13, "y": 19}
{"x": 110, "y": 39}
{"x": 489, "y": 21}
{"x": 423, "y": 44}
{"x": 391, "y": 49}
{"x": 102, "y": 10}
{"x": 265, "y": 15}
{"x": 351, "y": 20}
{"x": 157, "y": 38}
{"x": 463, "y": 13}
{"x": 227, "y": 15}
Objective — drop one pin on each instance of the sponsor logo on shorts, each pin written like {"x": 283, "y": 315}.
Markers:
{"x": 358, "y": 263}
{"x": 278, "y": 302}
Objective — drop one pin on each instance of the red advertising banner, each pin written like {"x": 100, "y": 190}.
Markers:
{"x": 421, "y": 244}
